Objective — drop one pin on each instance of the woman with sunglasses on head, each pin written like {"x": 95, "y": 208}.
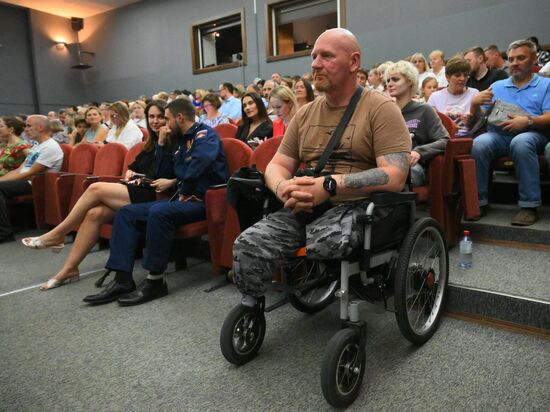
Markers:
{"x": 213, "y": 117}
{"x": 124, "y": 130}
{"x": 256, "y": 126}
{"x": 101, "y": 200}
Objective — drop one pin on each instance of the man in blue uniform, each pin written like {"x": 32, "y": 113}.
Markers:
{"x": 198, "y": 163}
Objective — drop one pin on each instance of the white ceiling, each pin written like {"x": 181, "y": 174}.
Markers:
{"x": 72, "y": 8}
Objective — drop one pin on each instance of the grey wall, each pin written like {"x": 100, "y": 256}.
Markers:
{"x": 57, "y": 84}
{"x": 53, "y": 84}
{"x": 144, "y": 47}
{"x": 16, "y": 89}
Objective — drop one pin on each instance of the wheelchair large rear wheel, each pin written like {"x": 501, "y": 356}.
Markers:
{"x": 343, "y": 368}
{"x": 242, "y": 334}
{"x": 421, "y": 279}
{"x": 315, "y": 281}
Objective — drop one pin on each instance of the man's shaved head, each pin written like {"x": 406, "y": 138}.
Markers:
{"x": 345, "y": 38}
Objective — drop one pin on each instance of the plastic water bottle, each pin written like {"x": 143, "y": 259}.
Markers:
{"x": 466, "y": 249}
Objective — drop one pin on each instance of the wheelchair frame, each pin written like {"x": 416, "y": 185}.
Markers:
{"x": 344, "y": 359}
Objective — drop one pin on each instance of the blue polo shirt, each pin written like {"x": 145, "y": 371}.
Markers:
{"x": 534, "y": 97}
{"x": 231, "y": 108}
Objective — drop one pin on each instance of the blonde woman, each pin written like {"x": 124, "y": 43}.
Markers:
{"x": 421, "y": 64}
{"x": 284, "y": 104}
{"x": 137, "y": 110}
{"x": 97, "y": 131}
{"x": 124, "y": 131}
{"x": 437, "y": 63}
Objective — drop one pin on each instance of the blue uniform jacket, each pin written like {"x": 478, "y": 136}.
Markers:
{"x": 197, "y": 161}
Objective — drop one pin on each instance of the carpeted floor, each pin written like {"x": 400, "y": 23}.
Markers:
{"x": 56, "y": 353}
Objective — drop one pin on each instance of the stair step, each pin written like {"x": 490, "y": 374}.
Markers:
{"x": 529, "y": 314}
{"x": 496, "y": 225}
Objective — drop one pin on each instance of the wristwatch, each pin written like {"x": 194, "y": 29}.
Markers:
{"x": 530, "y": 122}
{"x": 329, "y": 184}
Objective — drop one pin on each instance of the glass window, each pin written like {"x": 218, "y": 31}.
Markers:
{"x": 219, "y": 44}
{"x": 293, "y": 25}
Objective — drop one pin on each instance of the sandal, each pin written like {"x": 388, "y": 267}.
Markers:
{"x": 54, "y": 283}
{"x": 37, "y": 243}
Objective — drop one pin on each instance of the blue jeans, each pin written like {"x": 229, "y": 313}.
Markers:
{"x": 523, "y": 149}
{"x": 547, "y": 154}
{"x": 161, "y": 219}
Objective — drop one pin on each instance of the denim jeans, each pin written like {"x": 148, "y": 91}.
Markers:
{"x": 523, "y": 149}
{"x": 547, "y": 154}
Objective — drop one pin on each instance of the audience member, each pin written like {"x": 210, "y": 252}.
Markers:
{"x": 238, "y": 91}
{"x": 284, "y": 105}
{"x": 494, "y": 59}
{"x": 198, "y": 164}
{"x": 375, "y": 82}
{"x": 58, "y": 134}
{"x": 269, "y": 85}
{"x": 288, "y": 82}
{"x": 97, "y": 131}
{"x": 52, "y": 115}
{"x": 231, "y": 106}
{"x": 437, "y": 64}
{"x": 429, "y": 85}
{"x": 256, "y": 126}
{"x": 14, "y": 149}
{"x": 374, "y": 158}
{"x": 362, "y": 76}
{"x": 421, "y": 65}
{"x": 543, "y": 56}
{"x": 45, "y": 156}
{"x": 137, "y": 110}
{"x": 455, "y": 99}
{"x": 429, "y": 137}
{"x": 213, "y": 117}
{"x": 124, "y": 131}
{"x": 276, "y": 77}
{"x": 101, "y": 200}
{"x": 481, "y": 77}
{"x": 79, "y": 132}
{"x": 104, "y": 110}
{"x": 303, "y": 91}
{"x": 521, "y": 137}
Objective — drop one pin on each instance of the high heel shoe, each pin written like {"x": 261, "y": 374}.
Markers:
{"x": 37, "y": 243}
{"x": 54, "y": 283}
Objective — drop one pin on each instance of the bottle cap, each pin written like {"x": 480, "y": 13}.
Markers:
{"x": 466, "y": 233}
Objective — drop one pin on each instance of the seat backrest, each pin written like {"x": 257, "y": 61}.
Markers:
{"x": 226, "y": 130}
{"x": 131, "y": 155}
{"x": 67, "y": 149}
{"x": 448, "y": 124}
{"x": 237, "y": 153}
{"x": 82, "y": 158}
{"x": 265, "y": 152}
{"x": 109, "y": 160}
{"x": 145, "y": 133}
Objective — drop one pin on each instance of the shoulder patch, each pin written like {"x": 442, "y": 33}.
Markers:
{"x": 201, "y": 133}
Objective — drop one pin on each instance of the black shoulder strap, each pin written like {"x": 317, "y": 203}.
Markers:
{"x": 337, "y": 134}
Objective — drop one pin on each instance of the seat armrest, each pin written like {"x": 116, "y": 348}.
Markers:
{"x": 381, "y": 199}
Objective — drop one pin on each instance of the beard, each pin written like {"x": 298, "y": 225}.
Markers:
{"x": 321, "y": 84}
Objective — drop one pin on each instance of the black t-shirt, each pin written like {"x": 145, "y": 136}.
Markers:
{"x": 490, "y": 77}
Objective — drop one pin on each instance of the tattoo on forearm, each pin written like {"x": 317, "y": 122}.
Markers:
{"x": 400, "y": 160}
{"x": 368, "y": 178}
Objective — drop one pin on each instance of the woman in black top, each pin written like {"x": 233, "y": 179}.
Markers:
{"x": 256, "y": 126}
{"x": 100, "y": 202}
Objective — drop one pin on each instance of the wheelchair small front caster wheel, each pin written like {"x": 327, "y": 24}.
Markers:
{"x": 242, "y": 334}
{"x": 343, "y": 368}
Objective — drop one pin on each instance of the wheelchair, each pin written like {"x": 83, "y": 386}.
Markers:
{"x": 403, "y": 267}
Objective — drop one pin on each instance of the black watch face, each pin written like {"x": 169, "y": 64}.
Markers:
{"x": 330, "y": 185}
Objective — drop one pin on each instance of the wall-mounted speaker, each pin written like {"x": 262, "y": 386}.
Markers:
{"x": 77, "y": 23}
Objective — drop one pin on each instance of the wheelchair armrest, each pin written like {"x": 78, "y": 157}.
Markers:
{"x": 392, "y": 198}
{"x": 220, "y": 186}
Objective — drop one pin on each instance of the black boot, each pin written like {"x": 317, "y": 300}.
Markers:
{"x": 147, "y": 291}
